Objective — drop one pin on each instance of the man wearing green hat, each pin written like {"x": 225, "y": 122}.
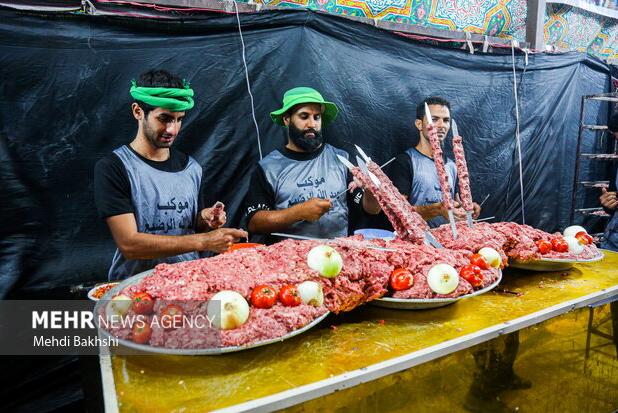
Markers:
{"x": 149, "y": 193}
{"x": 300, "y": 188}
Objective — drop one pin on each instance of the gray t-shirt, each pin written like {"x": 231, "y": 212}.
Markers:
{"x": 285, "y": 178}
{"x": 165, "y": 203}
{"x": 425, "y": 187}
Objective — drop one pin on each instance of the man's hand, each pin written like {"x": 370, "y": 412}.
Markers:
{"x": 477, "y": 210}
{"x": 313, "y": 209}
{"x": 214, "y": 217}
{"x": 458, "y": 212}
{"x": 608, "y": 199}
{"x": 220, "y": 240}
{"x": 354, "y": 184}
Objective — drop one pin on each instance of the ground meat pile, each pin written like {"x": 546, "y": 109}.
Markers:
{"x": 364, "y": 277}
{"x": 511, "y": 240}
{"x": 420, "y": 258}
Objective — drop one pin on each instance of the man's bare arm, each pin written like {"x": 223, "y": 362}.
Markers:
{"x": 266, "y": 222}
{"x": 136, "y": 245}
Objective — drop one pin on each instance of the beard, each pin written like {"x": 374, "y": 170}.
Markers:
{"x": 154, "y": 137}
{"x": 299, "y": 138}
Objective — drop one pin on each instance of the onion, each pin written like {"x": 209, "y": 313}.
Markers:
{"x": 325, "y": 260}
{"x": 573, "y": 230}
{"x": 311, "y": 293}
{"x": 443, "y": 279}
{"x": 228, "y": 310}
{"x": 119, "y": 305}
{"x": 574, "y": 245}
{"x": 491, "y": 256}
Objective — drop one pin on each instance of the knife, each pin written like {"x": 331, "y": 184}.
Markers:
{"x": 363, "y": 166}
{"x": 451, "y": 220}
{"x": 349, "y": 166}
{"x": 469, "y": 219}
{"x": 428, "y": 115}
{"x": 345, "y": 162}
{"x": 283, "y": 235}
{"x": 432, "y": 240}
{"x": 483, "y": 219}
{"x": 362, "y": 153}
{"x": 455, "y": 128}
{"x": 305, "y": 238}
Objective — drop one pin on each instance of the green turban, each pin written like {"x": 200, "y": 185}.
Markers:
{"x": 174, "y": 99}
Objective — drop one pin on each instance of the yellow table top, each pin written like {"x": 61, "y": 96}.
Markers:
{"x": 341, "y": 344}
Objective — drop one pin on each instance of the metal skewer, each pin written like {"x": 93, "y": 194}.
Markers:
{"x": 484, "y": 199}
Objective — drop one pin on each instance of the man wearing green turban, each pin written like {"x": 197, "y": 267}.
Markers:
{"x": 299, "y": 188}
{"x": 149, "y": 193}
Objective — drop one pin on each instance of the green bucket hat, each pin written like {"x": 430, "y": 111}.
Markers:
{"x": 300, "y": 95}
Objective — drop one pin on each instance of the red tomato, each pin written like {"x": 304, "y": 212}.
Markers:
{"x": 544, "y": 246}
{"x": 263, "y": 296}
{"x": 141, "y": 331}
{"x": 559, "y": 245}
{"x": 472, "y": 274}
{"x": 171, "y": 316}
{"x": 401, "y": 279}
{"x": 289, "y": 297}
{"x": 584, "y": 238}
{"x": 479, "y": 261}
{"x": 143, "y": 303}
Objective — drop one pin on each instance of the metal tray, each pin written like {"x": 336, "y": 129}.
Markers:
{"x": 186, "y": 352}
{"x": 427, "y": 303}
{"x": 551, "y": 264}
{"x": 95, "y": 288}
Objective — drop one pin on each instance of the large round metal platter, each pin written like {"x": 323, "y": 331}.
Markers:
{"x": 187, "y": 352}
{"x": 551, "y": 264}
{"x": 426, "y": 303}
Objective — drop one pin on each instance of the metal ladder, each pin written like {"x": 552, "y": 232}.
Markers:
{"x": 596, "y": 211}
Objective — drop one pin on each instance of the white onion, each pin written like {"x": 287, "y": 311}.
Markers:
{"x": 443, "y": 279}
{"x": 573, "y": 230}
{"x": 325, "y": 260}
{"x": 119, "y": 305}
{"x": 574, "y": 245}
{"x": 491, "y": 256}
{"x": 311, "y": 293}
{"x": 228, "y": 310}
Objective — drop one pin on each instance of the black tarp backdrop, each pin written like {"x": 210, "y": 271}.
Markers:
{"x": 65, "y": 104}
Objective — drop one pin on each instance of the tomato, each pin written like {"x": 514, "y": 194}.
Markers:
{"x": 141, "y": 331}
{"x": 263, "y": 296}
{"x": 472, "y": 274}
{"x": 559, "y": 244}
{"x": 289, "y": 297}
{"x": 584, "y": 238}
{"x": 544, "y": 246}
{"x": 143, "y": 303}
{"x": 479, "y": 261}
{"x": 171, "y": 317}
{"x": 401, "y": 279}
